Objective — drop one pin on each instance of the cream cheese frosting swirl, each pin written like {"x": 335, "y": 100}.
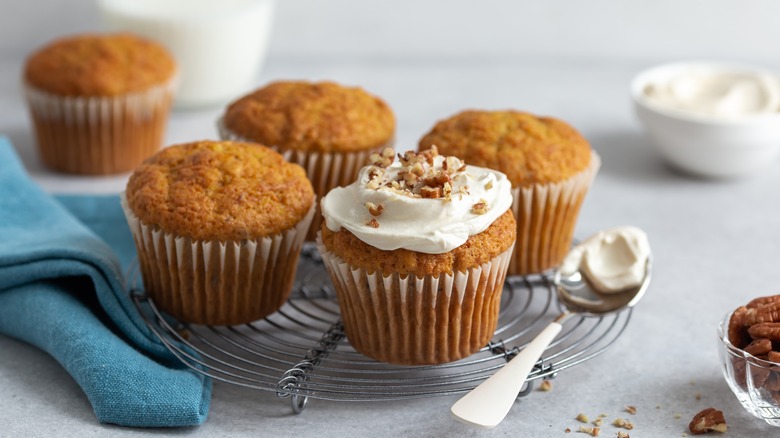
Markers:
{"x": 422, "y": 202}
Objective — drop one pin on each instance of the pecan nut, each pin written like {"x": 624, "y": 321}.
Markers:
{"x": 768, "y": 330}
{"x": 708, "y": 420}
{"x": 759, "y": 347}
{"x": 769, "y": 312}
{"x": 761, "y": 301}
{"x": 737, "y": 330}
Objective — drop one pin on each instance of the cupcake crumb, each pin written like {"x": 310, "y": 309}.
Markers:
{"x": 622, "y": 422}
{"x": 592, "y": 431}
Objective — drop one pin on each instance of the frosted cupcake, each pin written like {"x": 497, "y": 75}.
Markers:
{"x": 550, "y": 165}
{"x": 218, "y": 227}
{"x": 99, "y": 103}
{"x": 417, "y": 250}
{"x": 327, "y": 128}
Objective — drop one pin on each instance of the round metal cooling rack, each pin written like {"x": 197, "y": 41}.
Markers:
{"x": 301, "y": 351}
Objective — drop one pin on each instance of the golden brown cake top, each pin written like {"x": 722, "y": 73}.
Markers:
{"x": 99, "y": 65}
{"x": 527, "y": 148}
{"x": 212, "y": 190}
{"x": 478, "y": 249}
{"x": 312, "y": 116}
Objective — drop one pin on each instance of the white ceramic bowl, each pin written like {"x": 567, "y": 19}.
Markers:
{"x": 705, "y": 145}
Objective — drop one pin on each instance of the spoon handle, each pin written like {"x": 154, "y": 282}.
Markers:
{"x": 487, "y": 404}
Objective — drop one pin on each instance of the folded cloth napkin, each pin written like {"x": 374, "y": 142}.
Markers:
{"x": 61, "y": 289}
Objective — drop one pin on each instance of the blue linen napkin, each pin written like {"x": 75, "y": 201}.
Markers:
{"x": 61, "y": 289}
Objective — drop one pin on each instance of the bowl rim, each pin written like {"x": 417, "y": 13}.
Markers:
{"x": 641, "y": 79}
{"x": 733, "y": 350}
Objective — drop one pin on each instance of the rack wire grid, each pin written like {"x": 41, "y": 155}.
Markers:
{"x": 301, "y": 352}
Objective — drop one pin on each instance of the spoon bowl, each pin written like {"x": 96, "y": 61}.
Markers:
{"x": 578, "y": 296}
{"x": 486, "y": 405}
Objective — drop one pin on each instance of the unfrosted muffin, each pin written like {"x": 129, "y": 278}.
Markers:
{"x": 549, "y": 164}
{"x": 417, "y": 251}
{"x": 99, "y": 103}
{"x": 327, "y": 128}
{"x": 218, "y": 227}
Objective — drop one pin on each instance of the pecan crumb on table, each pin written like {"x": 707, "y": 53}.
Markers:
{"x": 708, "y": 420}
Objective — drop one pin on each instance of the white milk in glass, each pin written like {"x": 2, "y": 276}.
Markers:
{"x": 219, "y": 45}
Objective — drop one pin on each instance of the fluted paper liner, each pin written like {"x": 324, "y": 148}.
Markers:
{"x": 546, "y": 216}
{"x": 214, "y": 282}
{"x": 325, "y": 170}
{"x": 99, "y": 135}
{"x": 417, "y": 321}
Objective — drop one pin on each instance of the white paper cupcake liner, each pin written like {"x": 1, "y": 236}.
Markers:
{"x": 416, "y": 321}
{"x": 99, "y": 135}
{"x": 546, "y": 216}
{"x": 215, "y": 282}
{"x": 325, "y": 170}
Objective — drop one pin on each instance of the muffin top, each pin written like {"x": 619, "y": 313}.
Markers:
{"x": 211, "y": 190}
{"x": 99, "y": 65}
{"x": 316, "y": 117}
{"x": 527, "y": 148}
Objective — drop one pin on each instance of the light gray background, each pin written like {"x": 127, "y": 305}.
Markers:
{"x": 715, "y": 242}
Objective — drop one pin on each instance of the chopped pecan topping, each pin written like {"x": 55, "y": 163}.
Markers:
{"x": 375, "y": 175}
{"x": 421, "y": 175}
{"x": 382, "y": 159}
{"x": 373, "y": 209}
{"x": 431, "y": 192}
{"x": 373, "y": 223}
{"x": 480, "y": 207}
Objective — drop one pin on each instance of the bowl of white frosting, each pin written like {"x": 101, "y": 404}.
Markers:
{"x": 711, "y": 119}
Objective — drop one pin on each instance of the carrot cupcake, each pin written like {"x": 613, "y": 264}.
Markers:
{"x": 549, "y": 164}
{"x": 218, "y": 227}
{"x": 99, "y": 103}
{"x": 417, "y": 250}
{"x": 327, "y": 128}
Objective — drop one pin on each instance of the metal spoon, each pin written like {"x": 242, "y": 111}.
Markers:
{"x": 487, "y": 404}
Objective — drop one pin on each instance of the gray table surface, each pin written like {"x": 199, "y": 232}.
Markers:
{"x": 714, "y": 244}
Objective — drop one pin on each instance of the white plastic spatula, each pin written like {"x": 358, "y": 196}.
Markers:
{"x": 487, "y": 404}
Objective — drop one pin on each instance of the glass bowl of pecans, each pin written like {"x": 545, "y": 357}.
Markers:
{"x": 749, "y": 350}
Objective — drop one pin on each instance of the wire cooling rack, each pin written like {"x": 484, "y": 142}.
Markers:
{"x": 301, "y": 352}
